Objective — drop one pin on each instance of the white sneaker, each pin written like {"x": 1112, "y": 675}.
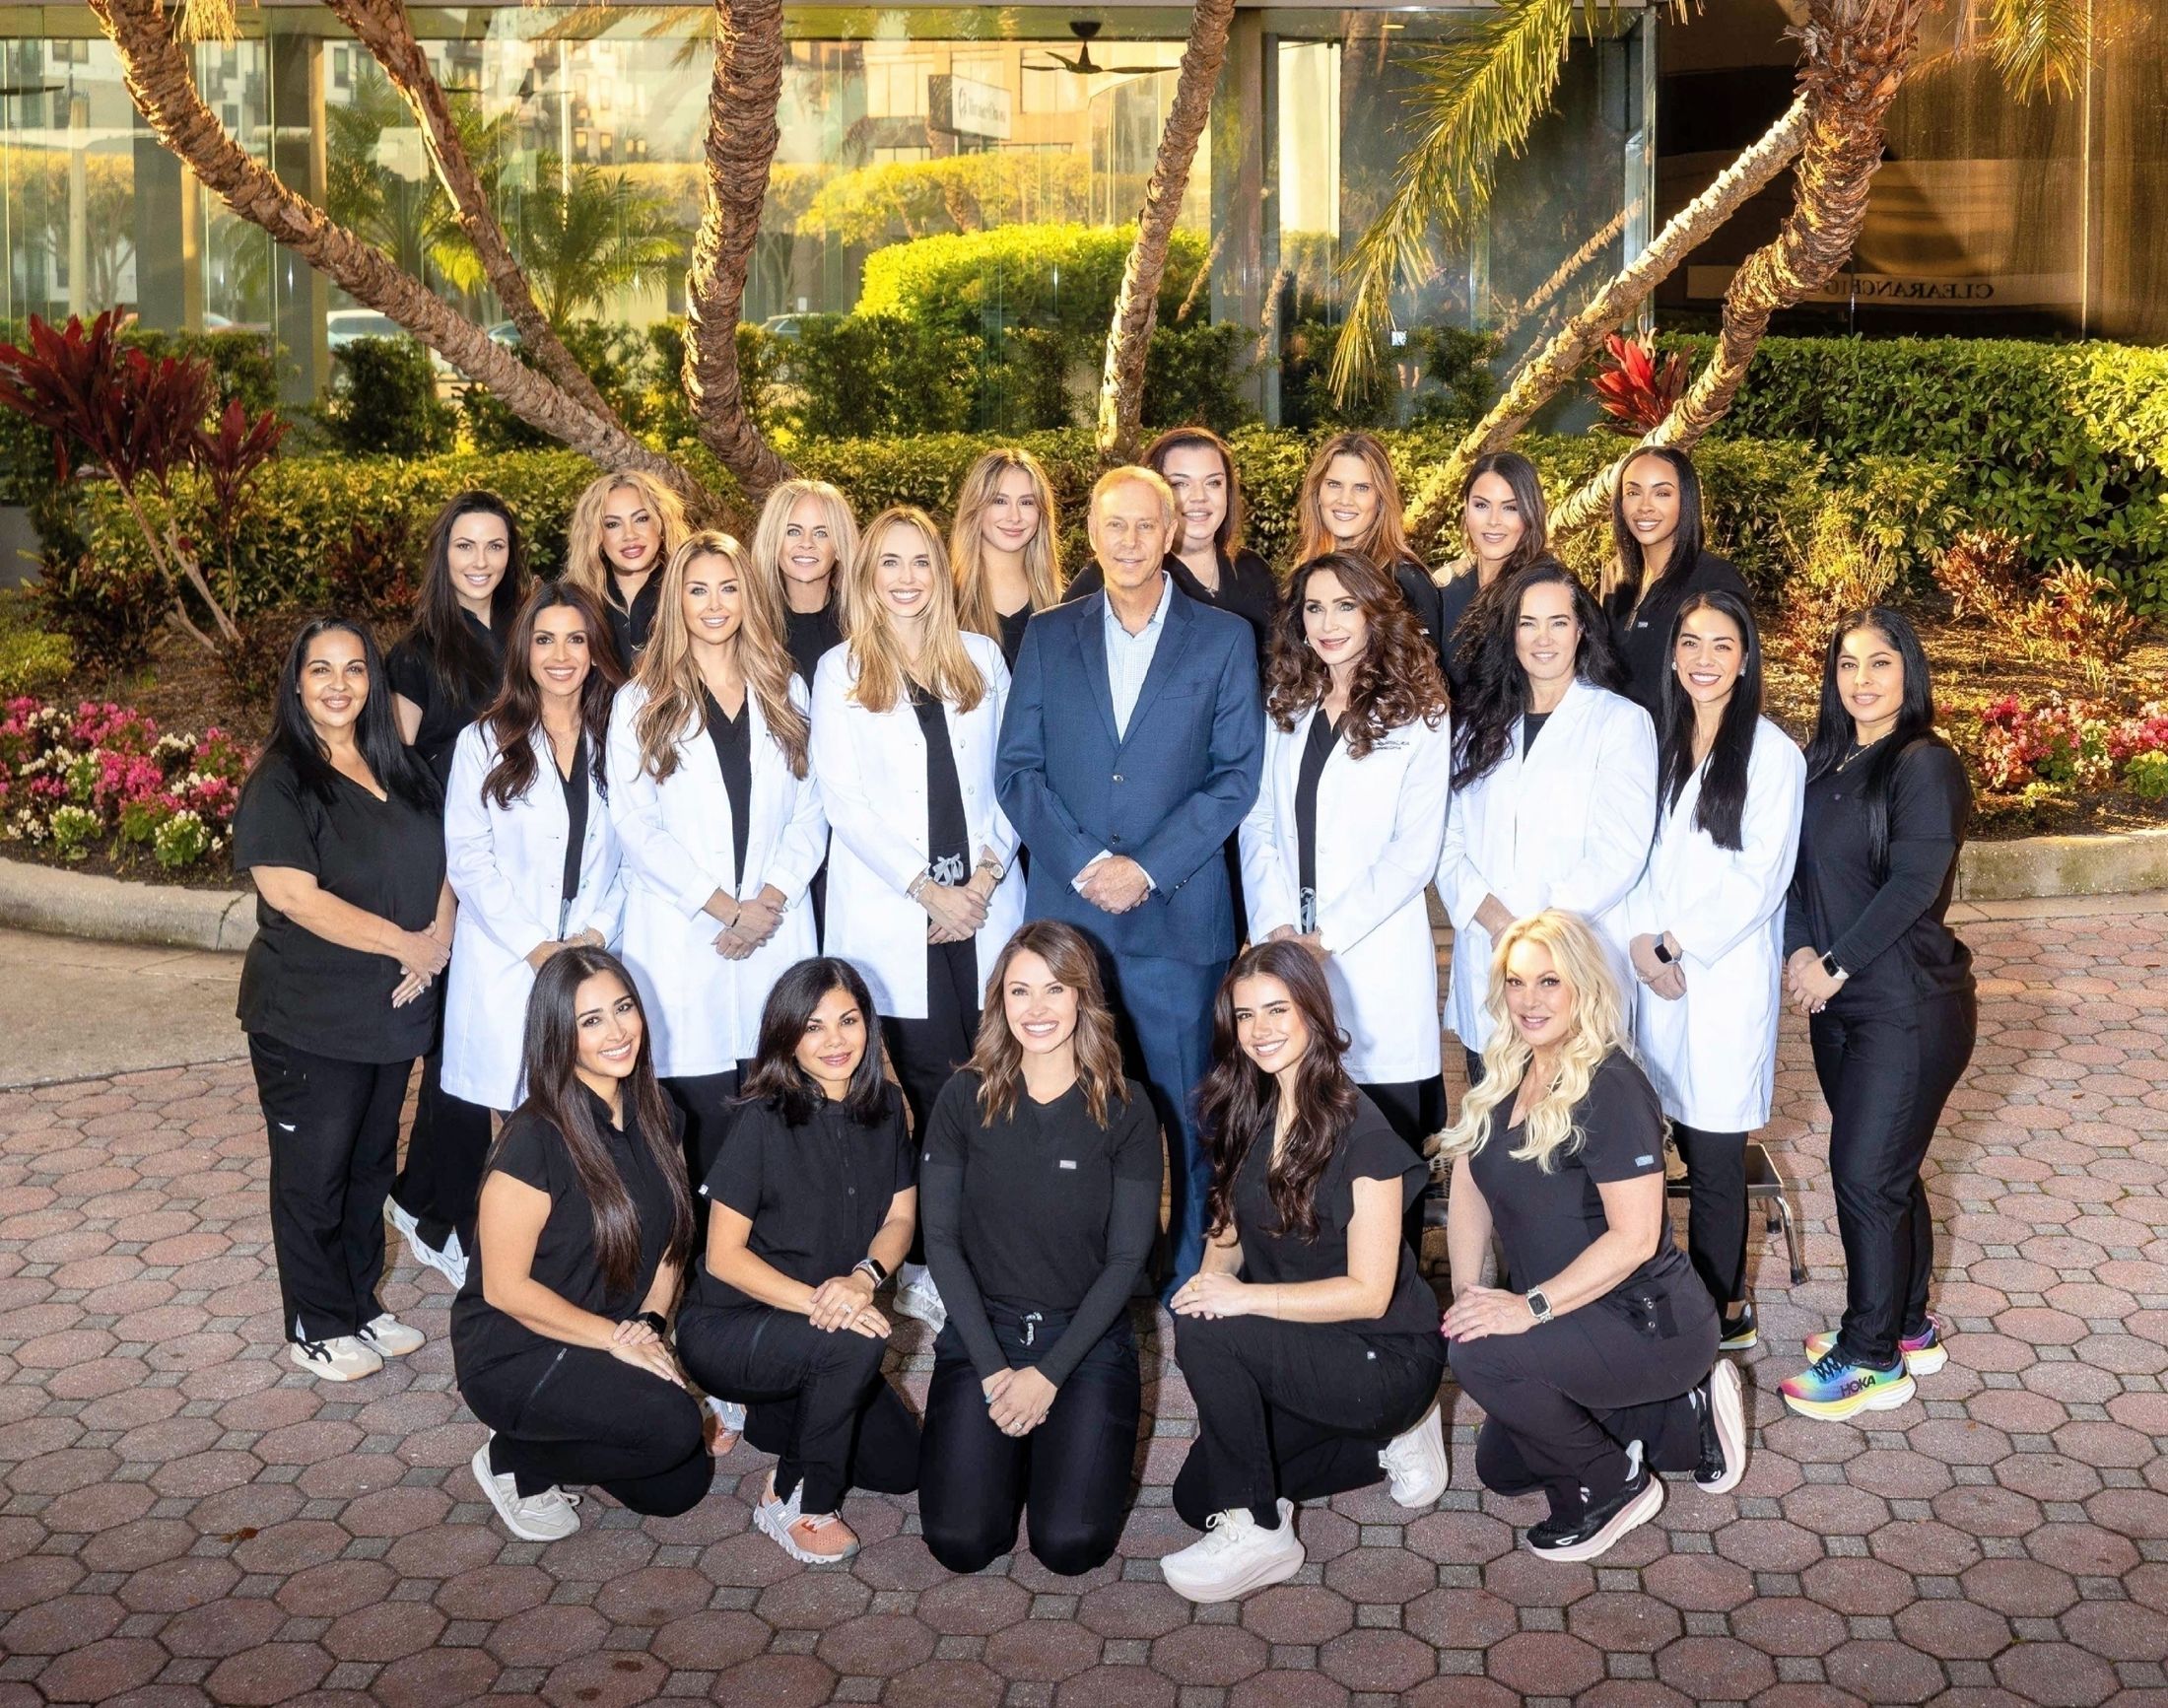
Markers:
{"x": 917, "y": 1296}
{"x": 387, "y": 1337}
{"x": 342, "y": 1358}
{"x": 1415, "y": 1462}
{"x": 450, "y": 1263}
{"x": 724, "y": 1425}
{"x": 547, "y": 1516}
{"x": 1235, "y": 1557}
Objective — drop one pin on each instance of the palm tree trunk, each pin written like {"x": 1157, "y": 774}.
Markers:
{"x": 1543, "y": 373}
{"x": 1858, "y": 52}
{"x": 385, "y": 29}
{"x": 160, "y": 79}
{"x": 742, "y": 134}
{"x": 1122, "y": 387}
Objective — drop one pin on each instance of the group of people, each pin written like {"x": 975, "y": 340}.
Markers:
{"x": 1123, "y": 877}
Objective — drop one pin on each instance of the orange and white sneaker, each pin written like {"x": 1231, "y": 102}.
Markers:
{"x": 813, "y": 1539}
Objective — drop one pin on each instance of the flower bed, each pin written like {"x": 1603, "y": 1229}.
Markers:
{"x": 103, "y": 780}
{"x": 2066, "y": 744}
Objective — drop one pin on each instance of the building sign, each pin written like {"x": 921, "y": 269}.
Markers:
{"x": 965, "y": 107}
{"x": 1992, "y": 291}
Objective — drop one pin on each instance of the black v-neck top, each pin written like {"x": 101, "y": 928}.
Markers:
{"x": 1644, "y": 638}
{"x": 629, "y": 627}
{"x": 734, "y": 739}
{"x": 810, "y": 633}
{"x": 948, "y": 832}
{"x": 411, "y": 668}
{"x": 1324, "y": 735}
{"x": 577, "y": 790}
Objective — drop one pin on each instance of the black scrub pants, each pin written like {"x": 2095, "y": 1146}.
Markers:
{"x": 927, "y": 1054}
{"x": 334, "y": 1133}
{"x": 814, "y": 1399}
{"x": 574, "y": 1414}
{"x": 1068, "y": 1480}
{"x": 1294, "y": 1409}
{"x": 1886, "y": 1072}
{"x": 705, "y": 1099}
{"x": 1716, "y": 1209}
{"x": 1562, "y": 1401}
{"x": 440, "y": 1182}
{"x": 1415, "y": 1109}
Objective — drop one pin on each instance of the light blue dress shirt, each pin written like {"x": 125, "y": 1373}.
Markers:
{"x": 1129, "y": 656}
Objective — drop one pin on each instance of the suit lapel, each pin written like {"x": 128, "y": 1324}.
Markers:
{"x": 1166, "y": 657}
{"x": 1091, "y": 645}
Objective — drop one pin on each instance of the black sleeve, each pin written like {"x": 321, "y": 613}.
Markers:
{"x": 941, "y": 1218}
{"x": 408, "y": 669}
{"x": 1132, "y": 1222}
{"x": 1621, "y": 1124}
{"x": 740, "y": 1174}
{"x": 906, "y": 1147}
{"x": 1799, "y": 930}
{"x": 1084, "y": 584}
{"x": 1374, "y": 1151}
{"x": 1421, "y": 594}
{"x": 273, "y": 826}
{"x": 529, "y": 1150}
{"x": 1929, "y": 801}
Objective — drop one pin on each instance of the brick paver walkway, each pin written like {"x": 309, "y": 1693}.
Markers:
{"x": 186, "y": 1517}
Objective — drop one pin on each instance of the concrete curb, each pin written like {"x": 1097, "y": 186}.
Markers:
{"x": 2031, "y": 867}
{"x": 41, "y": 898}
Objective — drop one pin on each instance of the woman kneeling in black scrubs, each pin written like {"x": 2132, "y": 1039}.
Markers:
{"x": 339, "y": 826}
{"x": 811, "y": 1205}
{"x": 1605, "y": 1369}
{"x": 582, "y": 1234}
{"x": 1309, "y": 1338}
{"x": 1040, "y": 1182}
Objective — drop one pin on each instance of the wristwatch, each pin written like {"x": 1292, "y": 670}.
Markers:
{"x": 1661, "y": 952}
{"x": 1829, "y": 966}
{"x": 654, "y": 1320}
{"x": 871, "y": 1268}
{"x": 1540, "y": 1304}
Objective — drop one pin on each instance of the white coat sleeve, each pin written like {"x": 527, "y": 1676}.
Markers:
{"x": 1622, "y": 818}
{"x": 604, "y": 912}
{"x": 1738, "y": 894}
{"x": 485, "y": 893}
{"x": 1411, "y": 854}
{"x": 1460, "y": 887}
{"x": 1268, "y": 887}
{"x": 635, "y": 813}
{"x": 803, "y": 844}
{"x": 1004, "y": 839}
{"x": 846, "y": 793}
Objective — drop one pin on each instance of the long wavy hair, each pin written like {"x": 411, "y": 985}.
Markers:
{"x": 1042, "y": 555}
{"x": 1622, "y": 589}
{"x": 1238, "y": 1105}
{"x": 671, "y": 680}
{"x": 585, "y": 566}
{"x": 512, "y": 718}
{"x": 1519, "y": 473}
{"x": 768, "y": 542}
{"x": 461, "y": 665}
{"x": 1498, "y": 686}
{"x": 1596, "y": 1028}
{"x": 294, "y": 737}
{"x": 998, "y": 1059}
{"x": 1227, "y": 537}
{"x": 944, "y": 668}
{"x": 1723, "y": 802}
{"x": 1397, "y": 679}
{"x": 1834, "y": 732}
{"x": 1387, "y": 543}
{"x": 776, "y": 1080}
{"x": 555, "y": 1091}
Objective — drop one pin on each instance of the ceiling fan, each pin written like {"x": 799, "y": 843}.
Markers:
{"x": 1083, "y": 65}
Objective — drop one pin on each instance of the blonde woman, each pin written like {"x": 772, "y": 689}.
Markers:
{"x": 1559, "y": 1152}
{"x": 922, "y": 892}
{"x": 623, "y": 530}
{"x": 1002, "y": 548}
{"x": 1350, "y": 501}
{"x": 802, "y": 550}
{"x": 713, "y": 798}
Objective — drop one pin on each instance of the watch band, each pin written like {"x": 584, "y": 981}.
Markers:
{"x": 870, "y": 1266}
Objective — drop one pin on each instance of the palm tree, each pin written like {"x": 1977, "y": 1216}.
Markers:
{"x": 585, "y": 234}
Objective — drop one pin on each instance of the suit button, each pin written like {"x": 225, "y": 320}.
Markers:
{"x": 1116, "y": 839}
{"x": 1117, "y": 777}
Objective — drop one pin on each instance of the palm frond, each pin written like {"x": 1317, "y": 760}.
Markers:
{"x": 2040, "y": 46}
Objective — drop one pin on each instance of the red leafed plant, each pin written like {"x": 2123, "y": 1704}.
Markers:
{"x": 1636, "y": 392}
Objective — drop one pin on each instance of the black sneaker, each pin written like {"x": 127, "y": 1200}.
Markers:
{"x": 1738, "y": 1332}
{"x": 1600, "y": 1527}
{"x": 1721, "y": 1408}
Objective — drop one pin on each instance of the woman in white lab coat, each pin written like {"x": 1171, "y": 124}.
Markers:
{"x": 711, "y": 794}
{"x": 1708, "y": 917}
{"x": 923, "y": 893}
{"x": 528, "y": 843}
{"x": 1349, "y": 817}
{"x": 1554, "y": 786}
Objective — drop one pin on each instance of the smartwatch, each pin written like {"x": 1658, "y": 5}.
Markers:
{"x": 870, "y": 1268}
{"x": 654, "y": 1320}
{"x": 1540, "y": 1305}
{"x": 1661, "y": 951}
{"x": 1829, "y": 966}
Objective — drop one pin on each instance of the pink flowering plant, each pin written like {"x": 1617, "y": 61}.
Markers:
{"x": 2074, "y": 744}
{"x": 106, "y": 775}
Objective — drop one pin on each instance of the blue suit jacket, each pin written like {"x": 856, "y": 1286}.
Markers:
{"x": 1169, "y": 795}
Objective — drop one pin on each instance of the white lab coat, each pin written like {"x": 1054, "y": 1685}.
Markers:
{"x": 1566, "y": 825}
{"x": 1380, "y": 820}
{"x": 705, "y": 1011}
{"x": 872, "y": 771}
{"x": 1712, "y": 1054}
{"x": 507, "y": 866}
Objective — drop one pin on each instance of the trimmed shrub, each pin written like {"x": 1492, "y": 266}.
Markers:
{"x": 385, "y": 402}
{"x": 857, "y": 375}
{"x": 33, "y": 661}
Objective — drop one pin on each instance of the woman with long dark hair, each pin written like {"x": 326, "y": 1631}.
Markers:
{"x": 559, "y": 1338}
{"x": 624, "y": 528}
{"x": 1555, "y": 785}
{"x": 811, "y": 1208}
{"x": 1004, "y": 548}
{"x": 1708, "y": 923}
{"x": 1350, "y": 501}
{"x": 1504, "y": 527}
{"x": 1662, "y": 560}
{"x": 340, "y": 827}
{"x": 1040, "y": 1185}
{"x": 1889, "y": 987}
{"x": 1349, "y": 819}
{"x": 1309, "y": 1338}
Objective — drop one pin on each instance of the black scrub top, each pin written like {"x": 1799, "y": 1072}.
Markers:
{"x": 384, "y": 856}
{"x": 948, "y": 833}
{"x": 533, "y": 1150}
{"x": 1886, "y": 932}
{"x": 412, "y": 671}
{"x": 809, "y": 635}
{"x": 1544, "y": 1221}
{"x": 1369, "y": 1150}
{"x": 1046, "y": 1211}
{"x": 734, "y": 739}
{"x": 1324, "y": 735}
{"x": 1456, "y": 653}
{"x": 576, "y": 787}
{"x": 1423, "y": 598}
{"x": 816, "y": 1194}
{"x": 1531, "y": 725}
{"x": 1246, "y": 587}
{"x": 1644, "y": 638}
{"x": 629, "y": 627}
{"x": 1012, "y": 627}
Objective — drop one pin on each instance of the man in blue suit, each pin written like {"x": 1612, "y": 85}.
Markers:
{"x": 1130, "y": 750}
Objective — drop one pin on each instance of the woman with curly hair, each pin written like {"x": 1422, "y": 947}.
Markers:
{"x": 1308, "y": 1338}
{"x": 1349, "y": 819}
{"x": 623, "y": 530}
{"x": 1004, "y": 548}
{"x": 1602, "y": 1370}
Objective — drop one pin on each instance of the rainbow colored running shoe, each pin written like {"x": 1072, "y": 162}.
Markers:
{"x": 1924, "y": 1352}
{"x": 1834, "y": 1387}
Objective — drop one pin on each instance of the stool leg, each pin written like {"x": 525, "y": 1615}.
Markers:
{"x": 1792, "y": 1240}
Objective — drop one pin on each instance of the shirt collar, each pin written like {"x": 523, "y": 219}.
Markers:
{"x": 1158, "y": 619}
